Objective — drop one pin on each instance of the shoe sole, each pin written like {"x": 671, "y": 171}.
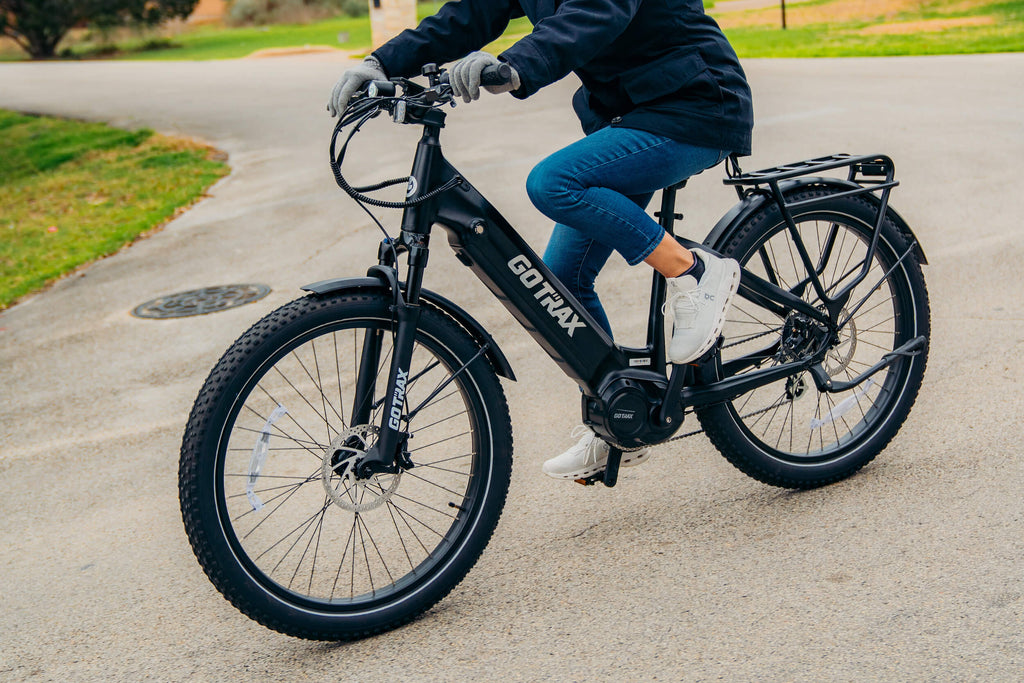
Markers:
{"x": 729, "y": 288}
{"x": 626, "y": 461}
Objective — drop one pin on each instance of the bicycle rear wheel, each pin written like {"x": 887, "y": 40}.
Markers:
{"x": 273, "y": 511}
{"x": 788, "y": 433}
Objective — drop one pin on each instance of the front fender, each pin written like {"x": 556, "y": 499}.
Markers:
{"x": 754, "y": 202}
{"x": 453, "y": 310}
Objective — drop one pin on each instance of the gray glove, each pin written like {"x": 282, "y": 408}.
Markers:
{"x": 352, "y": 80}
{"x": 465, "y": 76}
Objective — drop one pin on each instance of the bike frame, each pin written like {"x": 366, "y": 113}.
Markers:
{"x": 483, "y": 240}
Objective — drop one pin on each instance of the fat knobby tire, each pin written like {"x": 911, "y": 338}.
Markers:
{"x": 202, "y": 446}
{"x": 720, "y": 422}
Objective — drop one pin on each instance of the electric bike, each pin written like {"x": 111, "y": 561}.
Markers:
{"x": 348, "y": 458}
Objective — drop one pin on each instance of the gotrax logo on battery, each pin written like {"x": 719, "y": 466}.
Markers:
{"x": 551, "y": 301}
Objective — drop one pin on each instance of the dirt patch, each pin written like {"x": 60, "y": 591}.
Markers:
{"x": 842, "y": 12}
{"x": 906, "y": 27}
{"x": 288, "y": 51}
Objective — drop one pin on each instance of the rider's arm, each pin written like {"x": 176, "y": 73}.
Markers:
{"x": 457, "y": 29}
{"x": 567, "y": 40}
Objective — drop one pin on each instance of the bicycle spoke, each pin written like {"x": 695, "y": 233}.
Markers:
{"x": 421, "y": 428}
{"x": 423, "y": 479}
{"x": 418, "y": 521}
{"x": 454, "y": 457}
{"x": 302, "y": 444}
{"x": 440, "y": 441}
{"x": 337, "y": 366}
{"x": 402, "y": 516}
{"x": 312, "y": 439}
{"x": 443, "y": 469}
{"x": 320, "y": 387}
{"x": 341, "y": 562}
{"x": 287, "y": 495}
{"x": 266, "y": 490}
{"x": 376, "y": 549}
{"x": 442, "y": 512}
{"x": 305, "y": 551}
{"x": 401, "y": 539}
{"x": 304, "y": 524}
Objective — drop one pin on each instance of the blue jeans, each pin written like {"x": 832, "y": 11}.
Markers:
{"x": 600, "y": 186}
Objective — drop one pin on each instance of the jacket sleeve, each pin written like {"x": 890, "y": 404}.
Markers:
{"x": 567, "y": 40}
{"x": 458, "y": 28}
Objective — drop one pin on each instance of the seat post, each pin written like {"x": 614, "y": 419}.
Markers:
{"x": 667, "y": 217}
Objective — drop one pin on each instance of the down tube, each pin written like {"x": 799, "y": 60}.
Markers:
{"x": 498, "y": 255}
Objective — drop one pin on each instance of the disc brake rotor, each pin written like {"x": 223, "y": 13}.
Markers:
{"x": 838, "y": 357}
{"x": 340, "y": 460}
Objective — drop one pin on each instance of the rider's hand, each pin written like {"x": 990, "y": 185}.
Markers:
{"x": 465, "y": 76}
{"x": 351, "y": 81}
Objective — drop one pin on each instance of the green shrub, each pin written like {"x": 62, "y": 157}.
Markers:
{"x": 261, "y": 12}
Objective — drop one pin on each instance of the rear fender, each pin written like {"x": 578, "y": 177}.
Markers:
{"x": 453, "y": 310}
{"x": 754, "y": 202}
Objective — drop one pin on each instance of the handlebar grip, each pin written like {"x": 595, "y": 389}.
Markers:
{"x": 497, "y": 74}
{"x": 380, "y": 89}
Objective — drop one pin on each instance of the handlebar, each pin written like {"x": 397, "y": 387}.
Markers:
{"x": 495, "y": 74}
{"x": 416, "y": 104}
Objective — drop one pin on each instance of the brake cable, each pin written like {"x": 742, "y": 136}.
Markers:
{"x": 356, "y": 193}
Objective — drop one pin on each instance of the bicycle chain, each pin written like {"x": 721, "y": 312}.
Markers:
{"x": 743, "y": 417}
{"x": 747, "y": 339}
{"x": 698, "y": 431}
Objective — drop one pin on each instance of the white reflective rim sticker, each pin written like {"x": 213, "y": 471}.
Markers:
{"x": 259, "y": 457}
{"x": 842, "y": 407}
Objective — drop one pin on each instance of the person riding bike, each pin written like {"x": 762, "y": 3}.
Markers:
{"x": 663, "y": 97}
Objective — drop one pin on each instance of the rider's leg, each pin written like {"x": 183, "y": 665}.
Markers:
{"x": 600, "y": 186}
{"x": 670, "y": 258}
{"x": 593, "y": 185}
{"x": 575, "y": 260}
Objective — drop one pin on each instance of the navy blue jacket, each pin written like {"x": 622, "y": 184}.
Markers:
{"x": 657, "y": 65}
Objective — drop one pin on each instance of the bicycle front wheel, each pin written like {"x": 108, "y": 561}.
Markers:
{"x": 788, "y": 433}
{"x": 276, "y": 516}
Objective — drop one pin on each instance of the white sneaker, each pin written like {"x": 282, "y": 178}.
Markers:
{"x": 699, "y": 307}
{"x": 588, "y": 457}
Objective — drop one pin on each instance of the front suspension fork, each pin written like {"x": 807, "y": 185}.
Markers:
{"x": 386, "y": 454}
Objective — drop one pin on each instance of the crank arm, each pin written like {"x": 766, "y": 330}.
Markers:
{"x": 825, "y": 383}
{"x": 609, "y": 476}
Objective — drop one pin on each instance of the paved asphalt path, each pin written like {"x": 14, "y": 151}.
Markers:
{"x": 688, "y": 570}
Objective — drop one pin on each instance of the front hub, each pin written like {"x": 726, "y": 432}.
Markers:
{"x": 340, "y": 464}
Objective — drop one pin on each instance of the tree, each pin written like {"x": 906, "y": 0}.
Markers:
{"x": 39, "y": 25}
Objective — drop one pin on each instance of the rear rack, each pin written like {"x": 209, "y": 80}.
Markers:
{"x": 872, "y": 172}
{"x": 866, "y": 174}
{"x": 873, "y": 169}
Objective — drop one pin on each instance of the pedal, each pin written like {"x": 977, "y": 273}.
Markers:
{"x": 610, "y": 475}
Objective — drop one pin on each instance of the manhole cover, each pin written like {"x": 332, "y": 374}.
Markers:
{"x": 201, "y": 301}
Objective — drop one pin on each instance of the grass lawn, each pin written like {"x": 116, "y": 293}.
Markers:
{"x": 72, "y": 192}
{"x": 869, "y": 28}
{"x": 815, "y": 28}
